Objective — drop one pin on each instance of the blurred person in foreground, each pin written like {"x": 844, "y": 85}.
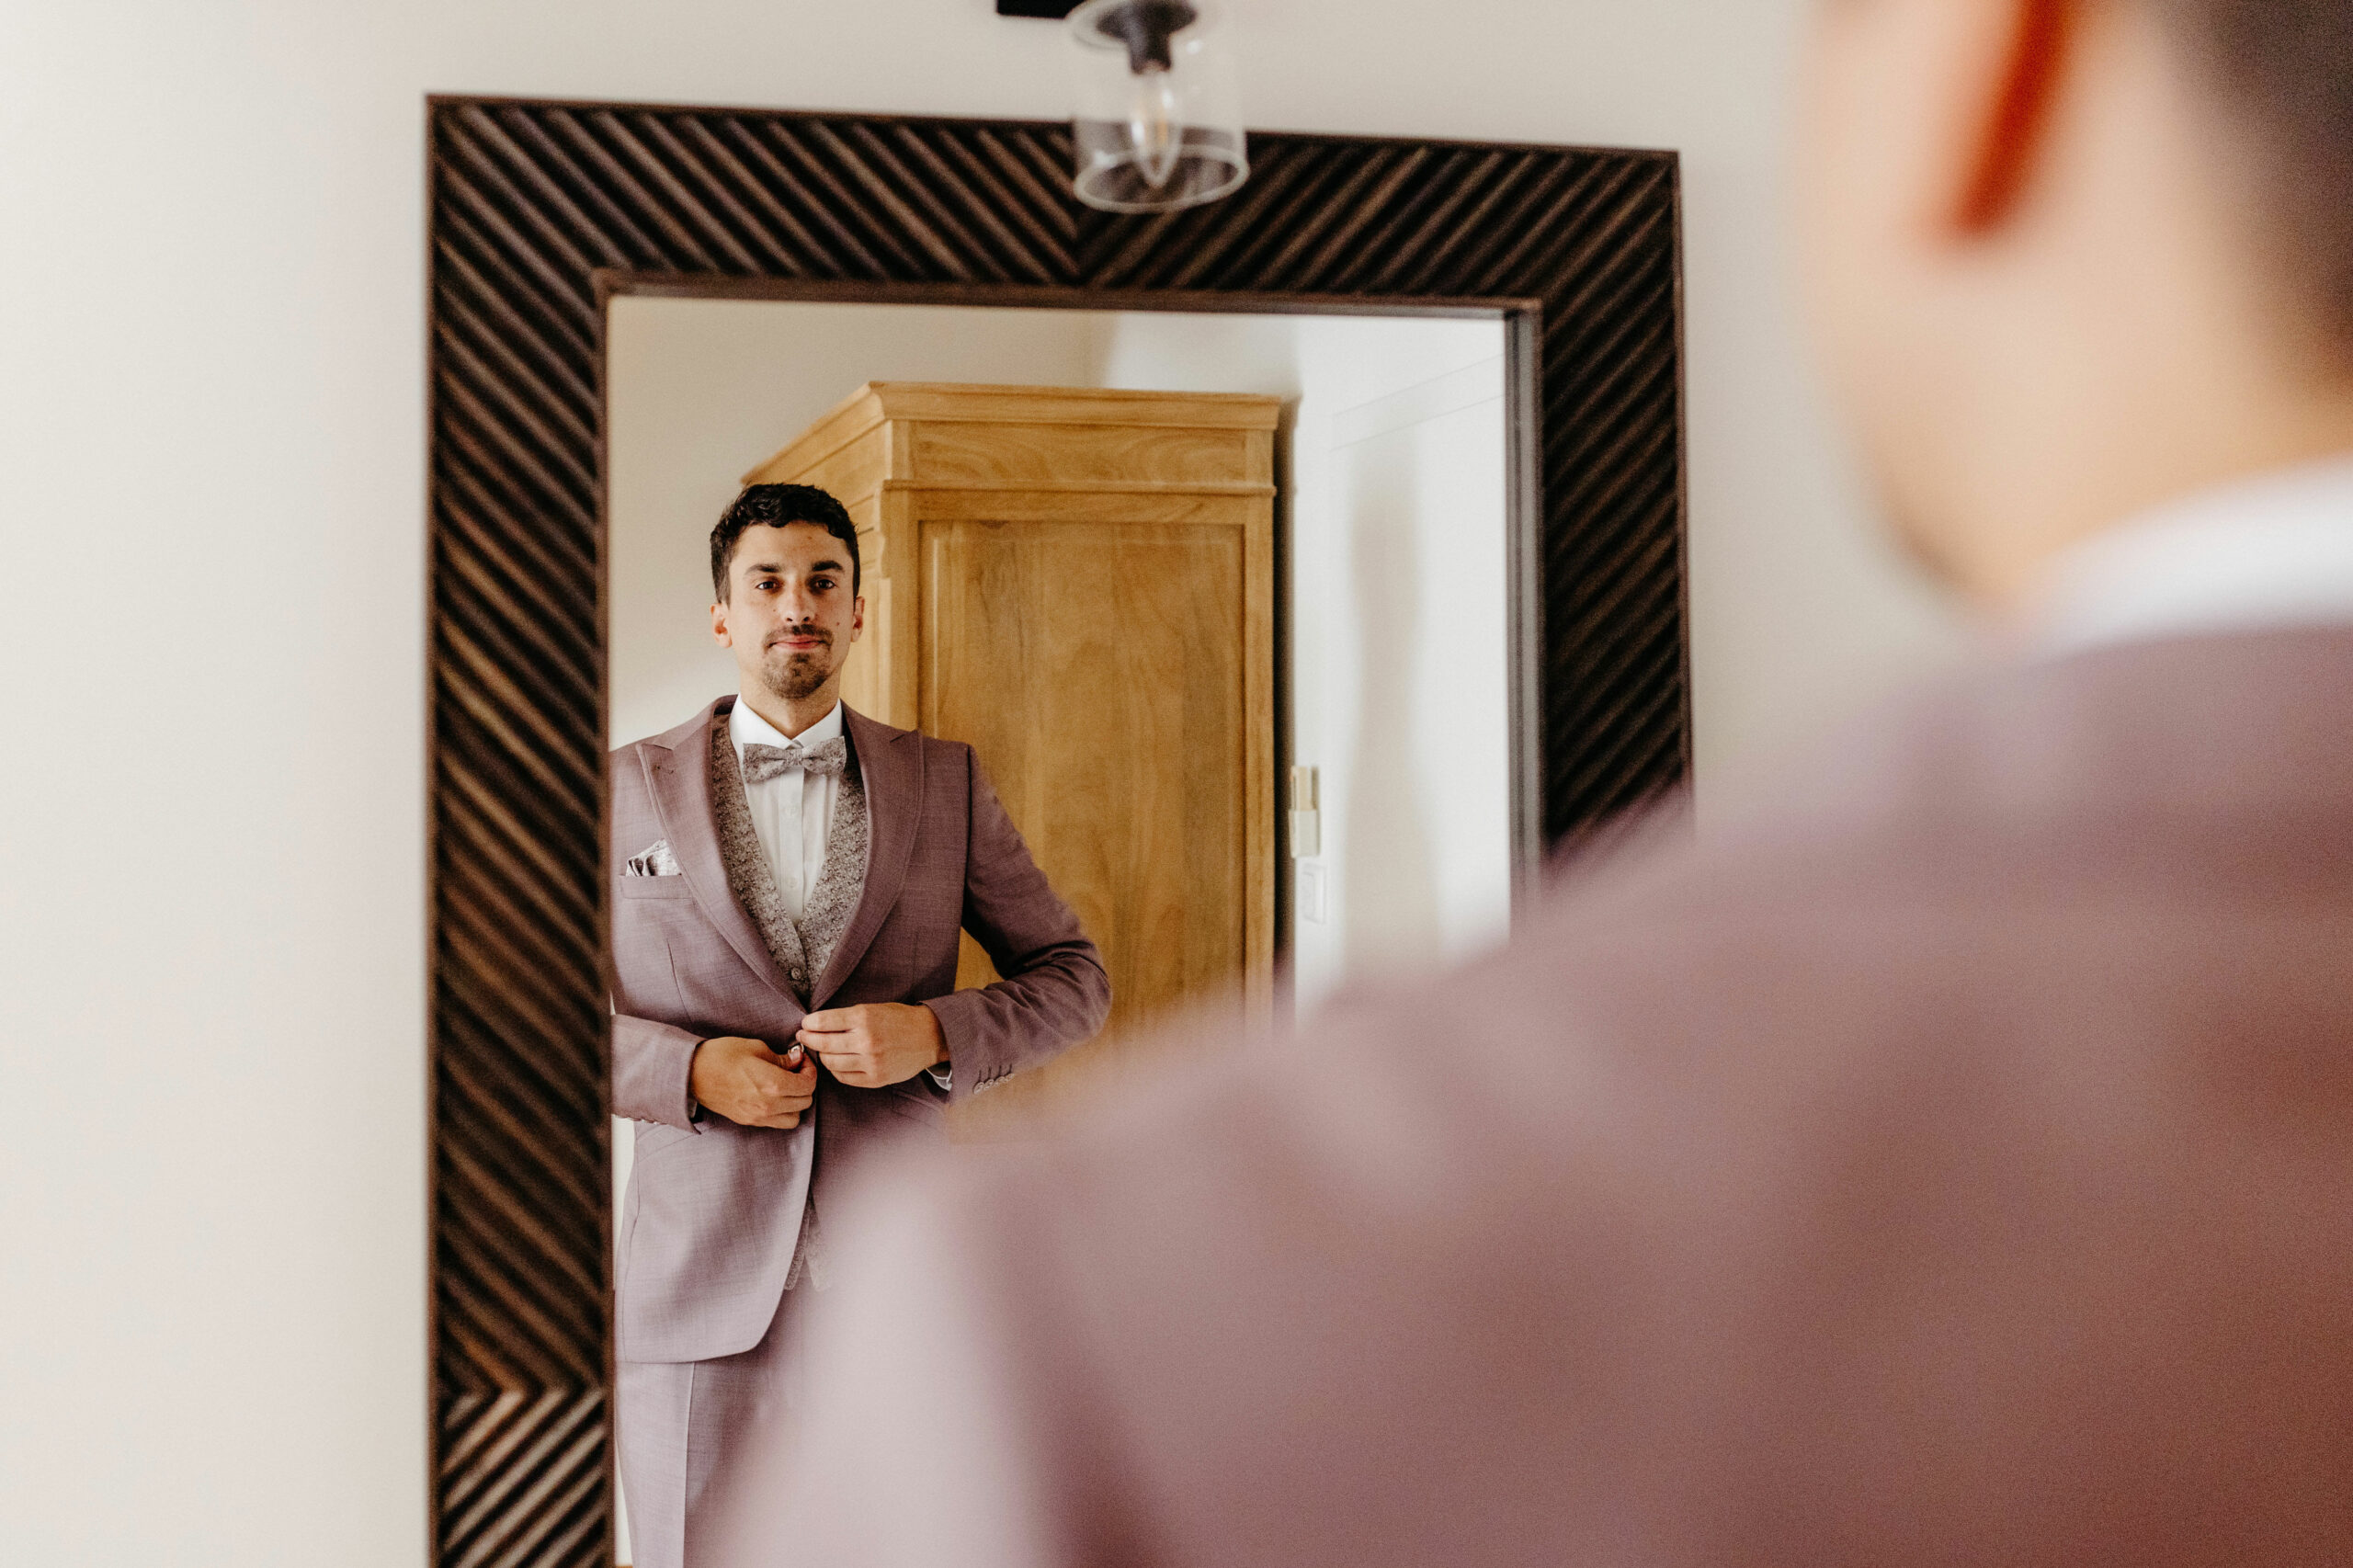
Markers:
{"x": 1951, "y": 1159}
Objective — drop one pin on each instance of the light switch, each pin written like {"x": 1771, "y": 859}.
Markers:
{"x": 1306, "y": 819}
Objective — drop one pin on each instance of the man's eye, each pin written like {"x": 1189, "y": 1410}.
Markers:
{"x": 821, "y": 583}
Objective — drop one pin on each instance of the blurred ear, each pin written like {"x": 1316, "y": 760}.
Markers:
{"x": 2021, "y": 49}
{"x": 719, "y": 632}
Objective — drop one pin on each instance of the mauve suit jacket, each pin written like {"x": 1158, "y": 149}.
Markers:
{"x": 1948, "y": 1161}
{"x": 707, "y": 1227}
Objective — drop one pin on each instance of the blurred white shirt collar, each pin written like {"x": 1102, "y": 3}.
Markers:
{"x": 2267, "y": 554}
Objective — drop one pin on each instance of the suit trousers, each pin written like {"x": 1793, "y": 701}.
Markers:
{"x": 690, "y": 1432}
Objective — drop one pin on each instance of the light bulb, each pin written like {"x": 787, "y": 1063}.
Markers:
{"x": 1154, "y": 131}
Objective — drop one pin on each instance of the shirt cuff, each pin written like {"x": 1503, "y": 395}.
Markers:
{"x": 945, "y": 1076}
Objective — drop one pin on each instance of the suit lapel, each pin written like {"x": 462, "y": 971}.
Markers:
{"x": 890, "y": 763}
{"x": 677, "y": 777}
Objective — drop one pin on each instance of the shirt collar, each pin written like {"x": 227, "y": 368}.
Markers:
{"x": 746, "y": 728}
{"x": 2270, "y": 553}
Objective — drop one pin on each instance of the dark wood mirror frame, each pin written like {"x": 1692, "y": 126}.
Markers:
{"x": 539, "y": 213}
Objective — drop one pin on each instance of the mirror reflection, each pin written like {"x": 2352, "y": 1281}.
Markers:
{"x": 985, "y": 685}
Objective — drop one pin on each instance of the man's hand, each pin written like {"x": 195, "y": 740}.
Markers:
{"x": 751, "y": 1085}
{"x": 875, "y": 1044}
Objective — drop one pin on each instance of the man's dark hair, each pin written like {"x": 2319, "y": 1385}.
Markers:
{"x": 774, "y": 505}
{"x": 2283, "y": 69}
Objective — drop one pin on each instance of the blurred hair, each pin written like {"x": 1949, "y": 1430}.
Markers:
{"x": 2284, "y": 70}
{"x": 774, "y": 505}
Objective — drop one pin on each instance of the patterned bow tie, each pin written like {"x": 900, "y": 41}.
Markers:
{"x": 764, "y": 763}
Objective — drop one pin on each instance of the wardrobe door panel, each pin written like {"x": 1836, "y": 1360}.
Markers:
{"x": 1099, "y": 671}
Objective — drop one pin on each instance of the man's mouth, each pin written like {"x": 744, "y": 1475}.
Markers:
{"x": 801, "y": 641}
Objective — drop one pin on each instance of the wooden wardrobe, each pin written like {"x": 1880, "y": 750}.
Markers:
{"x": 1080, "y": 583}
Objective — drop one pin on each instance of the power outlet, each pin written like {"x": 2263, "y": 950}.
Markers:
{"x": 1308, "y": 895}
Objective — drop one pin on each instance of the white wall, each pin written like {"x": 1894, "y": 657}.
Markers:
{"x": 211, "y": 1193}
{"x": 1419, "y": 870}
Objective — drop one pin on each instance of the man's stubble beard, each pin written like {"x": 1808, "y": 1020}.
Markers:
{"x": 795, "y": 677}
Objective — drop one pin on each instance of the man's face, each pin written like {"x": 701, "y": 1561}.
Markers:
{"x": 789, "y": 614}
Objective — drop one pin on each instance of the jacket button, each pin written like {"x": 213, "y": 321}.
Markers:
{"x": 795, "y": 972}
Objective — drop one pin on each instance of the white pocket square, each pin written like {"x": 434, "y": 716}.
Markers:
{"x": 654, "y": 861}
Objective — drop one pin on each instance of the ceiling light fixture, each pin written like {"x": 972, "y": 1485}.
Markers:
{"x": 1158, "y": 126}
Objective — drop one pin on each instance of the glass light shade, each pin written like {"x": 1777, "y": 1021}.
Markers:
{"x": 1158, "y": 125}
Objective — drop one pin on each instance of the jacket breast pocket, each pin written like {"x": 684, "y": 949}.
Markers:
{"x": 652, "y": 887}
{"x": 646, "y": 969}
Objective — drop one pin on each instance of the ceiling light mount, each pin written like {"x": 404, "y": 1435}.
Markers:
{"x": 1146, "y": 27}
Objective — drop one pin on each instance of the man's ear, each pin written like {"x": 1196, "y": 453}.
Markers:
{"x": 857, "y": 617}
{"x": 719, "y": 632}
{"x": 2026, "y": 54}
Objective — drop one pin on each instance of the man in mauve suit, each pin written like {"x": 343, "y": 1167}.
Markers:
{"x": 789, "y": 878}
{"x": 1946, "y": 1157}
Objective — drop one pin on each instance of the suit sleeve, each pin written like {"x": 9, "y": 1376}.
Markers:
{"x": 653, "y": 1064}
{"x": 1055, "y": 993}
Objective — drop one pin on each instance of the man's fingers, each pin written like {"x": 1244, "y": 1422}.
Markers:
{"x": 777, "y": 1084}
{"x": 784, "y": 1121}
{"x": 779, "y": 1089}
{"x": 846, "y": 1066}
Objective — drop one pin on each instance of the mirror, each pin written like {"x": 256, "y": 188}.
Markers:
{"x": 910, "y": 265}
{"x": 1220, "y": 601}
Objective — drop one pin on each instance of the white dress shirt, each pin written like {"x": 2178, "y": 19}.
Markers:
{"x": 792, "y": 813}
{"x": 2266, "y": 554}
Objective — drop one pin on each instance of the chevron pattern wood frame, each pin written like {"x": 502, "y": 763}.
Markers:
{"x": 535, "y": 208}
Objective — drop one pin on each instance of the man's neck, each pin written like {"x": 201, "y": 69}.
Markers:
{"x": 789, "y": 716}
{"x": 2254, "y": 445}
{"x": 2040, "y": 487}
